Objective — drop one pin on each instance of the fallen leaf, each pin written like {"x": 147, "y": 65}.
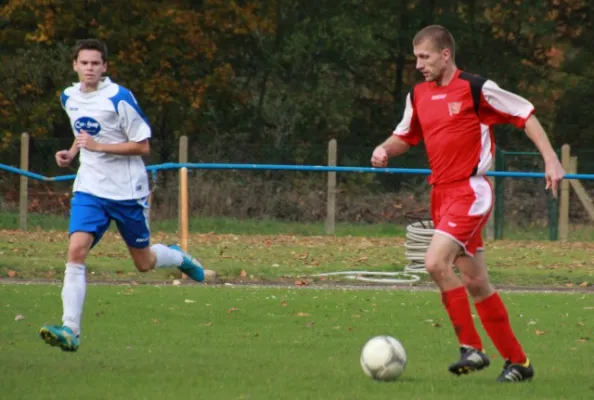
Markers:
{"x": 302, "y": 314}
{"x": 189, "y": 301}
{"x": 584, "y": 284}
{"x": 155, "y": 321}
{"x": 284, "y": 303}
{"x": 19, "y": 317}
{"x": 232, "y": 309}
{"x": 310, "y": 324}
{"x": 207, "y": 324}
{"x": 176, "y": 282}
{"x": 539, "y": 332}
{"x": 583, "y": 339}
{"x": 300, "y": 282}
{"x": 243, "y": 273}
{"x": 12, "y": 274}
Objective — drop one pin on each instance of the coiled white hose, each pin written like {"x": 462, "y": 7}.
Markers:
{"x": 418, "y": 238}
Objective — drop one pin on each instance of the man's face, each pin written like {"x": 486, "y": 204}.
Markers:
{"x": 431, "y": 62}
{"x": 89, "y": 66}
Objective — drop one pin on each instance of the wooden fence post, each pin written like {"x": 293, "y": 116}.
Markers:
{"x": 564, "y": 197}
{"x": 182, "y": 159}
{"x": 331, "y": 199}
{"x": 24, "y": 182}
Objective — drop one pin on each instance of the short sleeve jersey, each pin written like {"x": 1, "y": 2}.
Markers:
{"x": 110, "y": 115}
{"x": 455, "y": 122}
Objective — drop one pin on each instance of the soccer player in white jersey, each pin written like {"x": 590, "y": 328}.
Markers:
{"x": 111, "y": 134}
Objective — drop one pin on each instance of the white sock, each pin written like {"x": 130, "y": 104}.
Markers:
{"x": 73, "y": 295}
{"x": 166, "y": 257}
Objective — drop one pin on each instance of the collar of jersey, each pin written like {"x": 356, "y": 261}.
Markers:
{"x": 103, "y": 83}
{"x": 456, "y": 74}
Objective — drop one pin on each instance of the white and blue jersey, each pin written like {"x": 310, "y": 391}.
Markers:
{"x": 110, "y": 115}
{"x": 109, "y": 187}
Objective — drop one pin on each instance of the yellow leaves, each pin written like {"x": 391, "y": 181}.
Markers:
{"x": 29, "y": 88}
{"x": 242, "y": 19}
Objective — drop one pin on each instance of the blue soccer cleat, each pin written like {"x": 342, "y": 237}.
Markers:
{"x": 190, "y": 266}
{"x": 60, "y": 336}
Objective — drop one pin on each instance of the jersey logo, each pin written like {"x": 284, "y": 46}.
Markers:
{"x": 88, "y": 124}
{"x": 454, "y": 107}
{"x": 439, "y": 96}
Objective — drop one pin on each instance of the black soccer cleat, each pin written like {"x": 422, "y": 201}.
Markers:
{"x": 516, "y": 372}
{"x": 470, "y": 360}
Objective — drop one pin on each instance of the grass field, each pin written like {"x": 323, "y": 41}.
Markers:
{"x": 146, "y": 338}
{"x": 287, "y": 257}
{"x": 168, "y": 342}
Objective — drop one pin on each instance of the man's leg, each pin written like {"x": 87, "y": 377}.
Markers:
{"x": 441, "y": 255}
{"x": 132, "y": 220}
{"x": 161, "y": 256}
{"x": 494, "y": 317}
{"x": 88, "y": 223}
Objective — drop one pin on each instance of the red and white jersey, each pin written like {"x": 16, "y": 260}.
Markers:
{"x": 455, "y": 123}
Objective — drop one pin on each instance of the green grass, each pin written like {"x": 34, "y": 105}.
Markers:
{"x": 191, "y": 341}
{"x": 41, "y": 254}
{"x": 46, "y": 222}
{"x": 219, "y": 225}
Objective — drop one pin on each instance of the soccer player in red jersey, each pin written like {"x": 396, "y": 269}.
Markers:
{"x": 453, "y": 113}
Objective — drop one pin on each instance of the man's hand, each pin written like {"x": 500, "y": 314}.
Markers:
{"x": 553, "y": 175}
{"x": 86, "y": 141}
{"x": 64, "y": 158}
{"x": 379, "y": 158}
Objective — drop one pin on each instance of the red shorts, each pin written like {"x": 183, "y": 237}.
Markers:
{"x": 461, "y": 209}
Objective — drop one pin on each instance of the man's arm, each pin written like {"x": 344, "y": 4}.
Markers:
{"x": 126, "y": 149}
{"x": 553, "y": 169}
{"x": 142, "y": 148}
{"x": 498, "y": 106}
{"x": 73, "y": 150}
{"x": 536, "y": 133}
{"x": 406, "y": 134}
{"x": 395, "y": 146}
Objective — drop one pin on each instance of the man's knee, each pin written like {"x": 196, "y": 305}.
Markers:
{"x": 79, "y": 247}
{"x": 437, "y": 264}
{"x": 475, "y": 277}
{"x": 143, "y": 259}
{"x": 475, "y": 284}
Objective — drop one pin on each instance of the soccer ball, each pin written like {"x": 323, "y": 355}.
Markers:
{"x": 383, "y": 358}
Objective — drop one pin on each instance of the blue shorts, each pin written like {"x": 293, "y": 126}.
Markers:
{"x": 93, "y": 215}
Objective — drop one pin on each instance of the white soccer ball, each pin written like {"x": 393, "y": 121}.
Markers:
{"x": 383, "y": 358}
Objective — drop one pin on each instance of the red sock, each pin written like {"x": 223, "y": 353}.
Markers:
{"x": 458, "y": 308}
{"x": 495, "y": 319}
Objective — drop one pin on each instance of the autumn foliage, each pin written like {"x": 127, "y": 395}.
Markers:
{"x": 285, "y": 75}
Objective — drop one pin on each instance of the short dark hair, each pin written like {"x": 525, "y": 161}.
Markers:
{"x": 439, "y": 36}
{"x": 90, "y": 44}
